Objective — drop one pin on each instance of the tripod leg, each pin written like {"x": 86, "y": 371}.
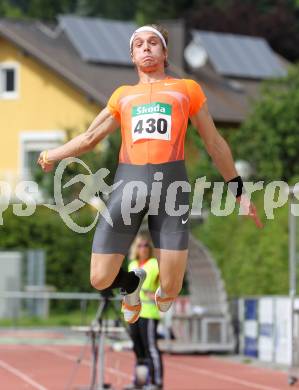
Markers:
{"x": 101, "y": 360}
{"x": 95, "y": 355}
{"x": 76, "y": 367}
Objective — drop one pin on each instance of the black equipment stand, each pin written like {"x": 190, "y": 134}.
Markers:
{"x": 96, "y": 335}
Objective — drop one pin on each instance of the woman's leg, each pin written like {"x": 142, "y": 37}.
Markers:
{"x": 148, "y": 328}
{"x": 139, "y": 351}
{"x": 138, "y": 347}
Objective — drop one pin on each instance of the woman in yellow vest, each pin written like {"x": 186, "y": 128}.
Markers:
{"x": 144, "y": 331}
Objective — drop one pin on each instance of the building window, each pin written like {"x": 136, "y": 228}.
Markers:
{"x": 8, "y": 80}
{"x": 31, "y": 144}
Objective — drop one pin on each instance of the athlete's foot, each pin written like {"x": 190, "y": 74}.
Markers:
{"x": 163, "y": 302}
{"x": 131, "y": 305}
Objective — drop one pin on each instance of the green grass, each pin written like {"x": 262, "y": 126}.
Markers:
{"x": 57, "y": 319}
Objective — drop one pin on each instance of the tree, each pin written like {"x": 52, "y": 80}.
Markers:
{"x": 9, "y": 10}
{"x": 155, "y": 10}
{"x": 269, "y": 138}
{"x": 251, "y": 261}
{"x": 67, "y": 252}
{"x": 276, "y": 21}
{"x": 48, "y": 10}
{"x": 116, "y": 9}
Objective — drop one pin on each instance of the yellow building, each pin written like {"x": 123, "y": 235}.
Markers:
{"x": 36, "y": 106}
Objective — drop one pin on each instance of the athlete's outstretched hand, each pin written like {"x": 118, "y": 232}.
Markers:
{"x": 45, "y": 165}
{"x": 250, "y": 210}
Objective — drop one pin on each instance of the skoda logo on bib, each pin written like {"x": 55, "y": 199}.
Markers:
{"x": 151, "y": 121}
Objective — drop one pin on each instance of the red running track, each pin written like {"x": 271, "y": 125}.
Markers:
{"x": 50, "y": 368}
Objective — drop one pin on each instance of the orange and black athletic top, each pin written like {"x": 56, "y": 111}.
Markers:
{"x": 154, "y": 119}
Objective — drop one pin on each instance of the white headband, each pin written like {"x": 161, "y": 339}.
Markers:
{"x": 148, "y": 29}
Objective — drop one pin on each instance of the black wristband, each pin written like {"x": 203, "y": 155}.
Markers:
{"x": 238, "y": 188}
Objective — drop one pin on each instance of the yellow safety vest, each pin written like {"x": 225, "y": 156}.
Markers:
{"x": 151, "y": 283}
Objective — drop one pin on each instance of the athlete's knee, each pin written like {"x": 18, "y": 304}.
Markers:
{"x": 100, "y": 279}
{"x": 171, "y": 288}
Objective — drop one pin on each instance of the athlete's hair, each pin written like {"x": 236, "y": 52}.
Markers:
{"x": 164, "y": 33}
{"x": 161, "y": 30}
{"x": 142, "y": 236}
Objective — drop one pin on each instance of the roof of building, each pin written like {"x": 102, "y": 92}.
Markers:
{"x": 55, "y": 47}
{"x": 99, "y": 40}
{"x": 239, "y": 55}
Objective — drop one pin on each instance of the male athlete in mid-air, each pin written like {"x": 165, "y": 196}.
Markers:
{"x": 153, "y": 117}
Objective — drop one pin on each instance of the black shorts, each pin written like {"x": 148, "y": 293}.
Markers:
{"x": 159, "y": 190}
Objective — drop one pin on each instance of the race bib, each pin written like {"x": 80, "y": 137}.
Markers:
{"x": 151, "y": 121}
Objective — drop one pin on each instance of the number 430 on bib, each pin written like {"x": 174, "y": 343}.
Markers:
{"x": 151, "y": 121}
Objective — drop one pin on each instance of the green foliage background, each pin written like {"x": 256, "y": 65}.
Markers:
{"x": 252, "y": 261}
{"x": 269, "y": 138}
{"x": 67, "y": 252}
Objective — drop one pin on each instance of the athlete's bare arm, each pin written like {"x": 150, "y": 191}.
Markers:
{"x": 221, "y": 154}
{"x": 103, "y": 124}
{"x": 214, "y": 143}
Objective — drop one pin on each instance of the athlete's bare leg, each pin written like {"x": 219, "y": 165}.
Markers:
{"x": 104, "y": 269}
{"x": 106, "y": 272}
{"x": 172, "y": 266}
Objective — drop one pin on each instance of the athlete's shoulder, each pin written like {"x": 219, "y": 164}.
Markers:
{"x": 196, "y": 95}
{"x": 172, "y": 82}
{"x": 113, "y": 102}
{"x": 190, "y": 83}
{"x": 121, "y": 90}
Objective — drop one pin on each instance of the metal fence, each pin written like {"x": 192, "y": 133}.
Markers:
{"x": 36, "y": 303}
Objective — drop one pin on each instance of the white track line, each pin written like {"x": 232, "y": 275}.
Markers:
{"x": 21, "y": 375}
{"x": 268, "y": 370}
{"x": 212, "y": 374}
{"x": 68, "y": 356}
{"x": 228, "y": 378}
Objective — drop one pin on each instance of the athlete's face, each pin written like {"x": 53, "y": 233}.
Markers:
{"x": 148, "y": 52}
